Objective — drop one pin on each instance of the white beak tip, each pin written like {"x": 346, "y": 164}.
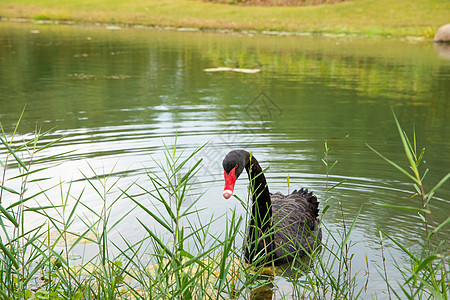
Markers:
{"x": 227, "y": 194}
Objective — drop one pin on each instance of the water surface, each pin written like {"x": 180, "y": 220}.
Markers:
{"x": 119, "y": 96}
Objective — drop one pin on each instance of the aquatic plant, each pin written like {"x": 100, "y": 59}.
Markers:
{"x": 427, "y": 275}
{"x": 179, "y": 254}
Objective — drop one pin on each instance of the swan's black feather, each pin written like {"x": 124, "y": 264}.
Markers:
{"x": 296, "y": 224}
{"x": 281, "y": 228}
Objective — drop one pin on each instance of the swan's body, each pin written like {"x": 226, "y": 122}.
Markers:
{"x": 281, "y": 228}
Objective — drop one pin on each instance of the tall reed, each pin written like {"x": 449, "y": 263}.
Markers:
{"x": 426, "y": 276}
{"x": 180, "y": 255}
{"x": 24, "y": 251}
{"x": 327, "y": 272}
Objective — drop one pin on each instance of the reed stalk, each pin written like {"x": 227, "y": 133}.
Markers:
{"x": 181, "y": 256}
{"x": 427, "y": 274}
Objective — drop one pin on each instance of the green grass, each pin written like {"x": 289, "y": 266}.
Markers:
{"x": 428, "y": 274}
{"x": 361, "y": 17}
{"x": 185, "y": 258}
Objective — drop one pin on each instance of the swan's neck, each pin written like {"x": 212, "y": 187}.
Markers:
{"x": 261, "y": 218}
{"x": 261, "y": 203}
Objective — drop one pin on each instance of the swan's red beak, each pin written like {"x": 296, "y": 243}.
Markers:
{"x": 230, "y": 180}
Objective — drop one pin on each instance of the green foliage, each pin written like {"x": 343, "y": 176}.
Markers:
{"x": 181, "y": 256}
{"x": 364, "y": 17}
{"x": 42, "y": 17}
{"x": 332, "y": 275}
{"x": 427, "y": 275}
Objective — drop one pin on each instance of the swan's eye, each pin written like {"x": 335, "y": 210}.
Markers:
{"x": 236, "y": 166}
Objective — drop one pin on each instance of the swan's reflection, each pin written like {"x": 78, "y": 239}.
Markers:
{"x": 265, "y": 287}
{"x": 264, "y": 292}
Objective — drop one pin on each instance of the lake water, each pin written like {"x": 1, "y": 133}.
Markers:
{"x": 119, "y": 95}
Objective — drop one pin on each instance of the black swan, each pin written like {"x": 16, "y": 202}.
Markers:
{"x": 281, "y": 228}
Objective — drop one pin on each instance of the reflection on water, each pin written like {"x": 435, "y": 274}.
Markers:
{"x": 275, "y": 283}
{"x": 119, "y": 96}
{"x": 443, "y": 49}
{"x": 264, "y": 292}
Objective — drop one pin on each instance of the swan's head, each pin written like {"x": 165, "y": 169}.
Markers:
{"x": 233, "y": 165}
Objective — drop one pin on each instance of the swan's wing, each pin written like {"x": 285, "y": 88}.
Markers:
{"x": 300, "y": 206}
{"x": 296, "y": 220}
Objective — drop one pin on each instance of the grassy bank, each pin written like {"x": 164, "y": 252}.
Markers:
{"x": 362, "y": 17}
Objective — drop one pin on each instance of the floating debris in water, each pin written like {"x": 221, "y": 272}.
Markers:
{"x": 116, "y": 77}
{"x": 188, "y": 29}
{"x": 113, "y": 27}
{"x": 225, "y": 69}
{"x": 82, "y": 76}
{"x": 81, "y": 55}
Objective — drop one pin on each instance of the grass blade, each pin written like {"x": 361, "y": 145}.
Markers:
{"x": 407, "y": 148}
{"x": 154, "y": 216}
{"x": 9, "y": 189}
{"x": 410, "y": 208}
{"x": 439, "y": 184}
{"x": 157, "y": 240}
{"x": 411, "y": 255}
{"x": 13, "y": 153}
{"x": 393, "y": 164}
{"x": 445, "y": 223}
{"x": 10, "y": 256}
{"x": 9, "y": 216}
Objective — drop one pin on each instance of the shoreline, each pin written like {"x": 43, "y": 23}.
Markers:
{"x": 247, "y": 32}
{"x": 359, "y": 18}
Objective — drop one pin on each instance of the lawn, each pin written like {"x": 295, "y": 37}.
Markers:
{"x": 362, "y": 17}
